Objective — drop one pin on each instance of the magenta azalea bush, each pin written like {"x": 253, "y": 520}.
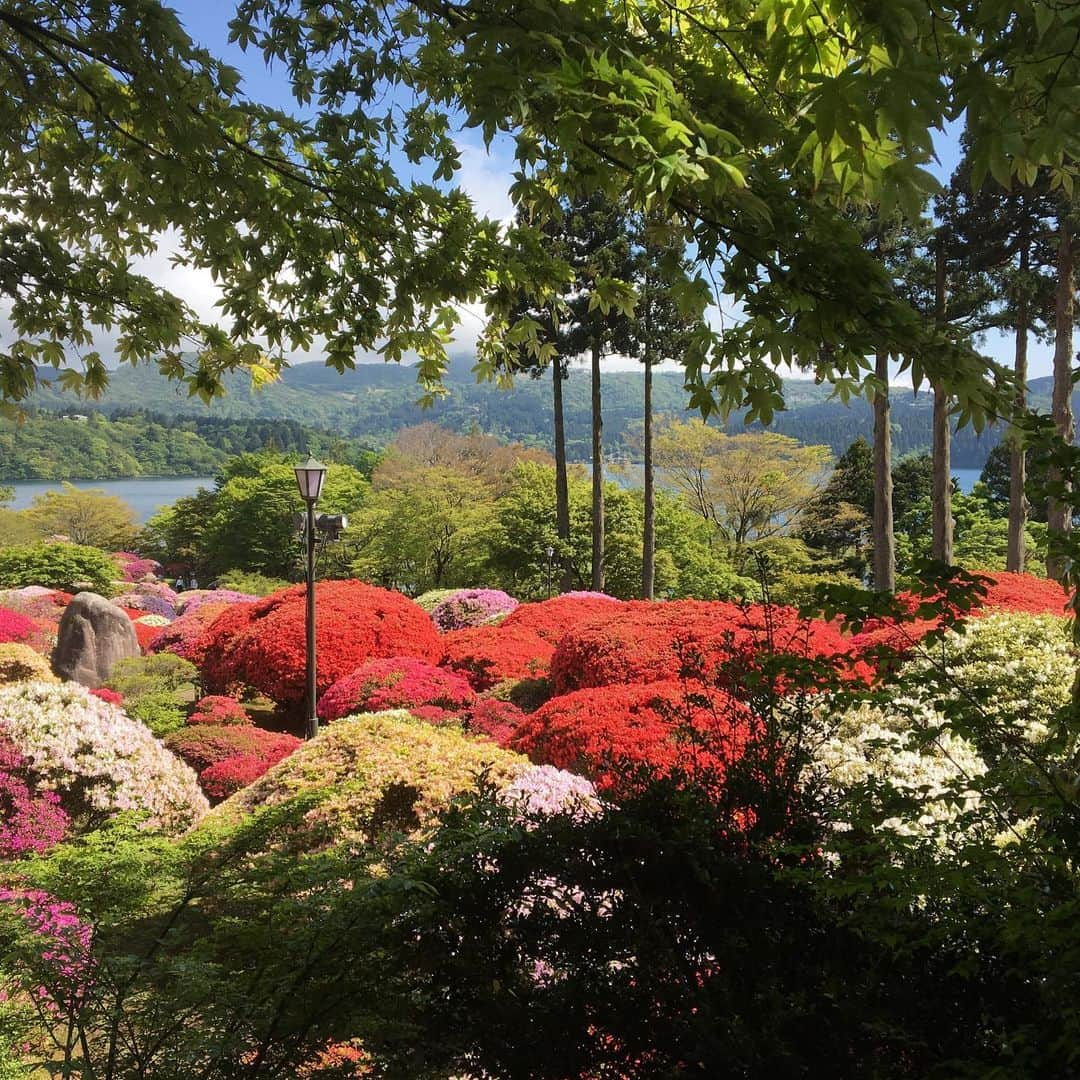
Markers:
{"x": 96, "y": 759}
{"x": 31, "y": 821}
{"x": 134, "y": 567}
{"x": 471, "y": 607}
{"x": 401, "y": 682}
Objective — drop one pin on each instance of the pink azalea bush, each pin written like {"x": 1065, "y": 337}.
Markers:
{"x": 134, "y": 567}
{"x": 545, "y": 790}
{"x": 471, "y": 607}
{"x": 193, "y": 599}
{"x": 218, "y": 709}
{"x": 31, "y": 821}
{"x": 400, "y": 682}
{"x": 15, "y": 627}
{"x": 97, "y": 760}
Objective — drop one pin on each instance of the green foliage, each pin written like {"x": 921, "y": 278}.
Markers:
{"x": 89, "y": 517}
{"x": 157, "y": 689}
{"x": 57, "y": 566}
{"x": 247, "y": 581}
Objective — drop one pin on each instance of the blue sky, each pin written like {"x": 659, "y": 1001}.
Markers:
{"x": 485, "y": 176}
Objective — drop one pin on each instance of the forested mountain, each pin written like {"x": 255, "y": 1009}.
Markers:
{"x": 374, "y": 401}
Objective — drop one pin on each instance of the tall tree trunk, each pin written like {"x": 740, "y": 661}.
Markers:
{"x": 1060, "y": 515}
{"x": 597, "y": 475}
{"x": 1016, "y": 554}
{"x": 884, "y": 560}
{"x": 562, "y": 491}
{"x": 942, "y": 487}
{"x": 648, "y": 545}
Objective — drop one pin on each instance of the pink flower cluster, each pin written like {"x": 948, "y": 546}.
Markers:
{"x": 218, "y": 709}
{"x": 400, "y": 682}
{"x": 193, "y": 599}
{"x": 471, "y": 607}
{"x": 135, "y": 568}
{"x": 64, "y": 943}
{"x": 31, "y": 821}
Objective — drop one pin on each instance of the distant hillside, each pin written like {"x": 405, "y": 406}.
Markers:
{"x": 374, "y": 401}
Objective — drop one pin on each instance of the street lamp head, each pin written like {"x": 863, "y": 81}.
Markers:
{"x": 550, "y": 552}
{"x": 309, "y": 479}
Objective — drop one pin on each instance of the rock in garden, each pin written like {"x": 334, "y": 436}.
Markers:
{"x": 93, "y": 635}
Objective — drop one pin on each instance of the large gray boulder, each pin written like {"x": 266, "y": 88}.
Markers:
{"x": 93, "y": 635}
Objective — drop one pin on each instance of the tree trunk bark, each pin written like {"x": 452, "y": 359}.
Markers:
{"x": 597, "y": 475}
{"x": 648, "y": 545}
{"x": 562, "y": 491}
{"x": 1060, "y": 514}
{"x": 942, "y": 487}
{"x": 884, "y": 560}
{"x": 1016, "y": 554}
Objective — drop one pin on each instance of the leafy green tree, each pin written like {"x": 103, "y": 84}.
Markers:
{"x": 838, "y": 519}
{"x": 912, "y": 482}
{"x": 57, "y": 566}
{"x": 88, "y": 517}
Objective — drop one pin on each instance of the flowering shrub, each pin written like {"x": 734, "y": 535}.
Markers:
{"x": 262, "y": 644}
{"x": 145, "y": 635}
{"x": 608, "y": 733}
{"x": 396, "y": 683}
{"x": 373, "y": 776}
{"x": 1025, "y": 593}
{"x": 186, "y": 636}
{"x": 155, "y": 621}
{"x": 15, "y": 627}
{"x": 149, "y": 604}
{"x": 20, "y": 663}
{"x": 642, "y": 642}
{"x": 498, "y": 720}
{"x": 96, "y": 759}
{"x": 471, "y": 607}
{"x": 433, "y": 597}
{"x": 550, "y": 619}
{"x": 134, "y": 567}
{"x": 217, "y": 709}
{"x": 30, "y": 820}
{"x": 113, "y": 697}
{"x": 203, "y": 745}
{"x": 488, "y": 655}
{"x": 227, "y": 777}
{"x": 543, "y": 789}
{"x": 195, "y": 599}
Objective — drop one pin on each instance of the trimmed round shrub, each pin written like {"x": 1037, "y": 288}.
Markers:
{"x": 610, "y": 734}
{"x": 195, "y": 599}
{"x": 495, "y": 719}
{"x": 203, "y": 745}
{"x": 551, "y": 619}
{"x": 98, "y": 761}
{"x": 218, "y": 709}
{"x": 471, "y": 607}
{"x": 644, "y": 642}
{"x": 400, "y": 682}
{"x": 186, "y": 636}
{"x": 370, "y": 778}
{"x": 15, "y": 628}
{"x": 262, "y": 645}
{"x": 31, "y": 820}
{"x": 134, "y": 567}
{"x": 57, "y": 565}
{"x": 229, "y": 776}
{"x": 489, "y": 655}
{"x": 20, "y": 663}
{"x": 433, "y": 597}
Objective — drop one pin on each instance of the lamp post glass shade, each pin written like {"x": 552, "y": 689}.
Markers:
{"x": 309, "y": 478}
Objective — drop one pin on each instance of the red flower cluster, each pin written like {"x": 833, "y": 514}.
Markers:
{"x": 399, "y": 682}
{"x": 500, "y": 652}
{"x": 229, "y": 776}
{"x": 205, "y": 746}
{"x": 16, "y": 627}
{"x": 607, "y": 733}
{"x": 186, "y": 637}
{"x": 643, "y": 642}
{"x": 498, "y": 720}
{"x": 262, "y": 644}
{"x": 113, "y": 697}
{"x": 30, "y": 821}
{"x": 218, "y": 709}
{"x": 551, "y": 619}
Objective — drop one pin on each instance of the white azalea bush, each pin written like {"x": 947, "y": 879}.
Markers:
{"x": 946, "y": 755}
{"x": 98, "y": 760}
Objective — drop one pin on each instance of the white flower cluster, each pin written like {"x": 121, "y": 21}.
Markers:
{"x": 890, "y": 752}
{"x": 96, "y": 758}
{"x": 543, "y": 789}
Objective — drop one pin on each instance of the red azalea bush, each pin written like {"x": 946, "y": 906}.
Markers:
{"x": 262, "y": 644}
{"x": 1027, "y": 594}
{"x": 186, "y": 636}
{"x": 146, "y": 635}
{"x": 550, "y": 619}
{"x": 227, "y": 777}
{"x": 218, "y": 709}
{"x": 498, "y": 720}
{"x": 16, "y": 627}
{"x": 488, "y": 655}
{"x": 113, "y": 697}
{"x": 204, "y": 745}
{"x": 400, "y": 682}
{"x": 643, "y": 642}
{"x": 607, "y": 733}
{"x": 31, "y": 821}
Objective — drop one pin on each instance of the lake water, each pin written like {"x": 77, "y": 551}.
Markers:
{"x": 966, "y": 478}
{"x": 145, "y": 495}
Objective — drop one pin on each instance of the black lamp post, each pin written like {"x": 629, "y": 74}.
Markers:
{"x": 309, "y": 478}
{"x": 550, "y": 556}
